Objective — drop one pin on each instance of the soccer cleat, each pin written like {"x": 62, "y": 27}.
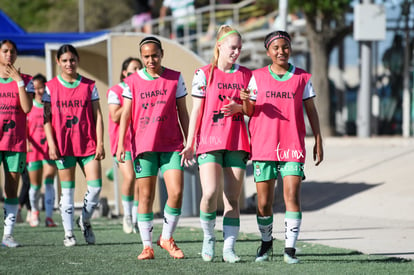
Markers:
{"x": 69, "y": 240}
{"x": 86, "y": 229}
{"x": 171, "y": 247}
{"x": 230, "y": 257}
{"x": 127, "y": 224}
{"x": 34, "y": 219}
{"x": 135, "y": 228}
{"x": 290, "y": 259}
{"x": 8, "y": 241}
{"x": 208, "y": 250}
{"x": 49, "y": 222}
{"x": 146, "y": 254}
{"x": 264, "y": 252}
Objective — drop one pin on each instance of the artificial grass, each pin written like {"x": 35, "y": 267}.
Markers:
{"x": 115, "y": 253}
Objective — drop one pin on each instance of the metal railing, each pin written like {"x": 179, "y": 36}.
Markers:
{"x": 201, "y": 37}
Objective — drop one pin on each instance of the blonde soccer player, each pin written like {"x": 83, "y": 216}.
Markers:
{"x": 218, "y": 130}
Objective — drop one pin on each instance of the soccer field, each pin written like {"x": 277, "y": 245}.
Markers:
{"x": 115, "y": 252}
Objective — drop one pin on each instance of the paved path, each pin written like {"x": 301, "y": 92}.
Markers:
{"x": 361, "y": 197}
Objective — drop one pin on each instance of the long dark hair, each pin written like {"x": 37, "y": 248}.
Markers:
{"x": 66, "y": 48}
{"x": 125, "y": 65}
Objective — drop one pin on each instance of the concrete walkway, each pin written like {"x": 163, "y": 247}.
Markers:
{"x": 361, "y": 197}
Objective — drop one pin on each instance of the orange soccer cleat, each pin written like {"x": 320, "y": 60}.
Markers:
{"x": 146, "y": 254}
{"x": 171, "y": 247}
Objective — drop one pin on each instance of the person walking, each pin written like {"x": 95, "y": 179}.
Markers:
{"x": 154, "y": 104}
{"x": 183, "y": 21}
{"x": 274, "y": 100}
{"x": 16, "y": 102}
{"x": 74, "y": 130}
{"x": 39, "y": 166}
{"x": 142, "y": 15}
{"x": 218, "y": 130}
{"x": 129, "y": 188}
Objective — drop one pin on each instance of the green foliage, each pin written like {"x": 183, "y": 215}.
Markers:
{"x": 267, "y": 5}
{"x": 115, "y": 253}
{"x": 30, "y": 15}
{"x": 62, "y": 16}
{"x": 322, "y": 8}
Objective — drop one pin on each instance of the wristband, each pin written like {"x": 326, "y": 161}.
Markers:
{"x": 20, "y": 83}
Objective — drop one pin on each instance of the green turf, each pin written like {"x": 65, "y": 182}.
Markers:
{"x": 115, "y": 253}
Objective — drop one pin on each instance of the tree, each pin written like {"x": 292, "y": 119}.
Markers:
{"x": 62, "y": 16}
{"x": 30, "y": 15}
{"x": 326, "y": 27}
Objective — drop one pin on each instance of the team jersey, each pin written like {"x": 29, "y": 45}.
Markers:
{"x": 13, "y": 119}
{"x": 73, "y": 121}
{"x": 114, "y": 96}
{"x": 36, "y": 134}
{"x": 218, "y": 132}
{"x": 155, "y": 125}
{"x": 182, "y": 11}
{"x": 277, "y": 126}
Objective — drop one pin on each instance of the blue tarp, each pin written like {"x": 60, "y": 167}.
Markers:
{"x": 34, "y": 43}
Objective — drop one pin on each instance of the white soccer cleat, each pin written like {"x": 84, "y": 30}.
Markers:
{"x": 69, "y": 240}
{"x": 127, "y": 224}
{"x": 8, "y": 241}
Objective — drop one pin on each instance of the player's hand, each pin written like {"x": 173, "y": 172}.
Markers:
{"x": 120, "y": 154}
{"x": 318, "y": 153}
{"x": 100, "y": 152}
{"x": 12, "y": 72}
{"x": 232, "y": 108}
{"x": 187, "y": 157}
{"x": 244, "y": 94}
{"x": 53, "y": 152}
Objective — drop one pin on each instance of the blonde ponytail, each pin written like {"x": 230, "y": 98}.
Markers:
{"x": 222, "y": 33}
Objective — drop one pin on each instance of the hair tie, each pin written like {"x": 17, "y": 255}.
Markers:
{"x": 277, "y": 36}
{"x": 227, "y": 34}
{"x": 150, "y": 40}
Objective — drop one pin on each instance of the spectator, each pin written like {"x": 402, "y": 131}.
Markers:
{"x": 142, "y": 16}
{"x": 183, "y": 13}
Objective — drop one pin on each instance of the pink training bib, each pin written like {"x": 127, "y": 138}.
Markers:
{"x": 277, "y": 127}
{"x": 72, "y": 117}
{"x": 13, "y": 119}
{"x": 38, "y": 149}
{"x": 218, "y": 132}
{"x": 155, "y": 125}
{"x": 113, "y": 127}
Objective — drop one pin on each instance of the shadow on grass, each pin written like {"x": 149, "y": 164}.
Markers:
{"x": 314, "y": 195}
{"x": 350, "y": 258}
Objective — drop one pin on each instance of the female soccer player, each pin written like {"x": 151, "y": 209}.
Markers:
{"x": 115, "y": 102}
{"x": 277, "y": 95}
{"x": 15, "y": 102}
{"x": 39, "y": 166}
{"x": 155, "y": 105}
{"x": 217, "y": 127}
{"x": 74, "y": 131}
